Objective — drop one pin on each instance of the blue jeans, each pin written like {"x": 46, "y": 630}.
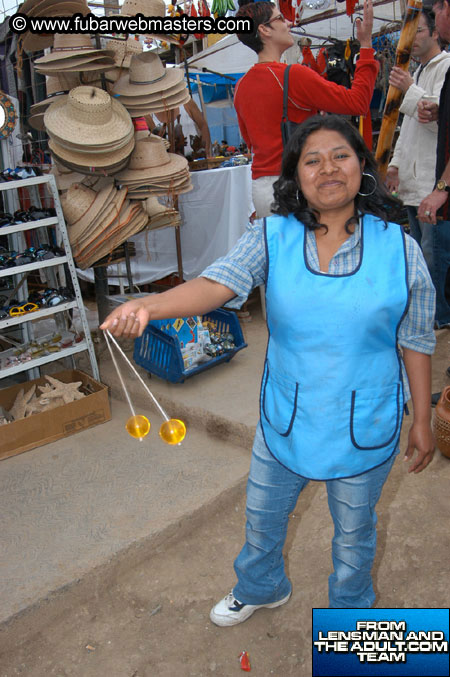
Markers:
{"x": 422, "y": 233}
{"x": 272, "y": 493}
{"x": 440, "y": 271}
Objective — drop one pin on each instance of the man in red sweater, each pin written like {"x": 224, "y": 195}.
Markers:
{"x": 258, "y": 97}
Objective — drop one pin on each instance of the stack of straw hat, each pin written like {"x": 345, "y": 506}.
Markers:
{"x": 156, "y": 8}
{"x": 56, "y": 86}
{"x": 89, "y": 131}
{"x": 122, "y": 50}
{"x": 33, "y": 42}
{"x": 153, "y": 171}
{"x": 147, "y": 87}
{"x": 65, "y": 178}
{"x": 99, "y": 221}
{"x": 74, "y": 52}
{"x": 160, "y": 216}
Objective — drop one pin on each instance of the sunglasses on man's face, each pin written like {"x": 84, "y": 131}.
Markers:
{"x": 279, "y": 17}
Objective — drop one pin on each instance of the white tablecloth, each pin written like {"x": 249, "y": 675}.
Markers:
{"x": 214, "y": 214}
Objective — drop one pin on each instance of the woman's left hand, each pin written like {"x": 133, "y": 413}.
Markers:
{"x": 420, "y": 438}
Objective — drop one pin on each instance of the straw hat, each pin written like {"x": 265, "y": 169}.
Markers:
{"x": 145, "y": 7}
{"x": 89, "y": 162}
{"x": 154, "y": 97}
{"x": 120, "y": 212}
{"x": 69, "y": 45}
{"x": 64, "y": 177}
{"x": 81, "y": 235}
{"x": 151, "y": 159}
{"x": 81, "y": 204}
{"x": 123, "y": 50}
{"x": 33, "y": 42}
{"x": 161, "y": 106}
{"x": 85, "y": 167}
{"x": 94, "y": 150}
{"x": 147, "y": 75}
{"x": 88, "y": 115}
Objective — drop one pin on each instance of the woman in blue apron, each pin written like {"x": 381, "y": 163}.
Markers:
{"x": 345, "y": 290}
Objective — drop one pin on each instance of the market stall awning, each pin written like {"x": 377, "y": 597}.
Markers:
{"x": 215, "y": 87}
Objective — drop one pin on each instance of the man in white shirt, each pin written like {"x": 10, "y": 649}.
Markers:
{"x": 411, "y": 171}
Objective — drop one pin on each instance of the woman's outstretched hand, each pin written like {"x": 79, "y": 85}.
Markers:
{"x": 128, "y": 320}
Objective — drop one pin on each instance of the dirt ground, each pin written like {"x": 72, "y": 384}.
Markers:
{"x": 151, "y": 619}
{"x": 148, "y": 615}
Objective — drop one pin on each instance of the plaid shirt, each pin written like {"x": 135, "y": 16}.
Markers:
{"x": 244, "y": 268}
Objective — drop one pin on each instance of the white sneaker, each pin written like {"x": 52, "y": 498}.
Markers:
{"x": 230, "y": 611}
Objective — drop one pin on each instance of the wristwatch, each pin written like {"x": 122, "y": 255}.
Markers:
{"x": 442, "y": 185}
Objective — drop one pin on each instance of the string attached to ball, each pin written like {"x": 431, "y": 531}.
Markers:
{"x": 172, "y": 430}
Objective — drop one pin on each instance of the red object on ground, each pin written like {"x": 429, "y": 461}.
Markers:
{"x": 245, "y": 661}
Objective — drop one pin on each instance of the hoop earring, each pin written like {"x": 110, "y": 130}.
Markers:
{"x": 374, "y": 188}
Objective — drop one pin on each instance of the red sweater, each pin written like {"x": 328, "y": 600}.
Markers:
{"x": 258, "y": 101}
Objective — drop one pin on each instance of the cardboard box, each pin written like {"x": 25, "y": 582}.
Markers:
{"x": 39, "y": 429}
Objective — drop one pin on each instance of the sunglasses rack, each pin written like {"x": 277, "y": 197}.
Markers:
{"x": 25, "y": 312}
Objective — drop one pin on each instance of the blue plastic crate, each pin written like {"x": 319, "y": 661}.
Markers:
{"x": 160, "y": 354}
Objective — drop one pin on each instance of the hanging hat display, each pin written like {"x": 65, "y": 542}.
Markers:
{"x": 123, "y": 50}
{"x": 160, "y": 216}
{"x": 147, "y": 87}
{"x": 57, "y": 86}
{"x": 152, "y": 169}
{"x": 33, "y": 42}
{"x": 74, "y": 52}
{"x": 89, "y": 131}
{"x": 98, "y": 221}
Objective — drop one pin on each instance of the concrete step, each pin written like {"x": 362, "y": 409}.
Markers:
{"x": 78, "y": 504}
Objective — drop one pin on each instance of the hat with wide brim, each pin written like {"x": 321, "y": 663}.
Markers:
{"x": 135, "y": 224}
{"x": 106, "y": 161}
{"x": 91, "y": 64}
{"x": 123, "y": 50}
{"x": 81, "y": 204}
{"x": 91, "y": 149}
{"x": 118, "y": 213}
{"x": 33, "y": 42}
{"x": 153, "y": 97}
{"x": 163, "y": 106}
{"x": 131, "y": 220}
{"x": 81, "y": 237}
{"x": 65, "y": 178}
{"x": 150, "y": 158}
{"x": 88, "y": 115}
{"x": 147, "y": 75}
{"x": 109, "y": 170}
{"x": 69, "y": 45}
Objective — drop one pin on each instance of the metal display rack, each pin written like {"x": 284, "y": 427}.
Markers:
{"x": 15, "y": 230}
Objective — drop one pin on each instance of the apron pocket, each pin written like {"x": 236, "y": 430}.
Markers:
{"x": 279, "y": 402}
{"x": 375, "y": 416}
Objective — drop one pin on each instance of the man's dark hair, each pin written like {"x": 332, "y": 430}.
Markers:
{"x": 289, "y": 198}
{"x": 429, "y": 18}
{"x": 260, "y": 13}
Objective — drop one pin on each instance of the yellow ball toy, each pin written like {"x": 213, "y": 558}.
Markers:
{"x": 138, "y": 426}
{"x": 173, "y": 431}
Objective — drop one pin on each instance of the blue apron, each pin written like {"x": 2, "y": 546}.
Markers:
{"x": 331, "y": 402}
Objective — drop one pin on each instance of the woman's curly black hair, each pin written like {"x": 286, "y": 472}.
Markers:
{"x": 289, "y": 198}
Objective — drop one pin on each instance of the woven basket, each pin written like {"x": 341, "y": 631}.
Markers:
{"x": 442, "y": 422}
